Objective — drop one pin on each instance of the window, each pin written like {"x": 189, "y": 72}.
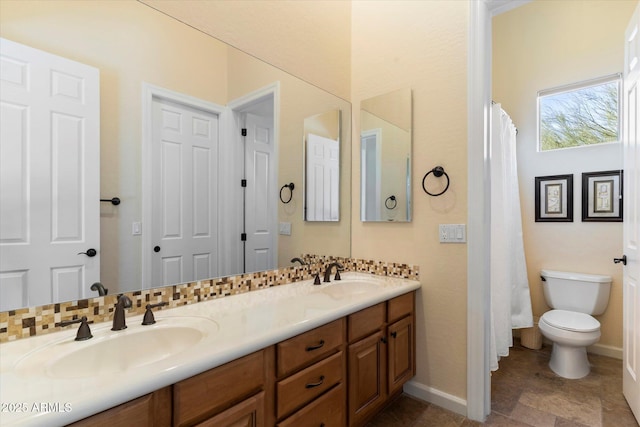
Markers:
{"x": 580, "y": 114}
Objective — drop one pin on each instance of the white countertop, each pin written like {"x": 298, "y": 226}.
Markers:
{"x": 245, "y": 323}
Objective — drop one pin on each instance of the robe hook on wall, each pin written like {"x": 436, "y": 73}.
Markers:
{"x": 438, "y": 171}
{"x": 290, "y": 186}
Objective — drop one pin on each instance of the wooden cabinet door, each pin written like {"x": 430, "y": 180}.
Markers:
{"x": 248, "y": 413}
{"x": 151, "y": 410}
{"x": 401, "y": 363}
{"x": 367, "y": 377}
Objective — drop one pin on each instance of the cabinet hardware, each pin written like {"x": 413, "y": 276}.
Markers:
{"x": 315, "y": 347}
{"x": 319, "y": 383}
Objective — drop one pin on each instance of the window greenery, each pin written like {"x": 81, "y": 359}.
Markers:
{"x": 580, "y": 114}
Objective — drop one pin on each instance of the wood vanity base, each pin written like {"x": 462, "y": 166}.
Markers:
{"x": 339, "y": 374}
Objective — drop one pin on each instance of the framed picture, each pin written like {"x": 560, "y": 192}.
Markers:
{"x": 554, "y": 198}
{"x": 602, "y": 196}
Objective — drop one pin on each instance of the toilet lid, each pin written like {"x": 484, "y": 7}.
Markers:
{"x": 571, "y": 321}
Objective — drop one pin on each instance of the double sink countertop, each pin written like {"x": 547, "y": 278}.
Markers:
{"x": 54, "y": 380}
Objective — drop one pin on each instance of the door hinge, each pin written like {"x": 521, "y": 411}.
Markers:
{"x": 243, "y": 237}
{"x": 243, "y": 183}
{"x": 244, "y": 131}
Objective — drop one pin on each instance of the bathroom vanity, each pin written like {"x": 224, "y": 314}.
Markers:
{"x": 291, "y": 355}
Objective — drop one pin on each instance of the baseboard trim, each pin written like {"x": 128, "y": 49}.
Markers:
{"x": 437, "y": 397}
{"x": 605, "y": 350}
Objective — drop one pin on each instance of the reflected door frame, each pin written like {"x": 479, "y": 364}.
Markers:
{"x": 369, "y": 138}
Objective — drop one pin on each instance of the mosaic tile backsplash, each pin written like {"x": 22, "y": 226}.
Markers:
{"x": 31, "y": 321}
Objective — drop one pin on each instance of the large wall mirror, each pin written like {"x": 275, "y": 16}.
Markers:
{"x": 154, "y": 69}
{"x": 385, "y": 157}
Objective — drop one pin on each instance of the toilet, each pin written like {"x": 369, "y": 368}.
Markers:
{"x": 574, "y": 298}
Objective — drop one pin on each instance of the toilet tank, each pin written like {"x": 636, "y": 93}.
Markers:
{"x": 584, "y": 293}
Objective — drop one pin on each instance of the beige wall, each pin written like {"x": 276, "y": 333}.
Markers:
{"x": 309, "y": 39}
{"x": 421, "y": 45}
{"x": 543, "y": 45}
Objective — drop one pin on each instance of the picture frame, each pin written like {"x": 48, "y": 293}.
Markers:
{"x": 554, "y": 198}
{"x": 602, "y": 196}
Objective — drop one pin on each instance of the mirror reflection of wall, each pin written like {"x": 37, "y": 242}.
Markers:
{"x": 130, "y": 44}
{"x": 322, "y": 167}
{"x": 385, "y": 150}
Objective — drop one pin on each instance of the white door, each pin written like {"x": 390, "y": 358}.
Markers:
{"x": 631, "y": 225}
{"x": 261, "y": 194}
{"x": 184, "y": 152}
{"x": 49, "y": 177}
{"x": 322, "y": 189}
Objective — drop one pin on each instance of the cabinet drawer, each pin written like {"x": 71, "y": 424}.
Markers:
{"x": 211, "y": 392}
{"x": 249, "y": 413}
{"x": 401, "y": 306}
{"x": 306, "y": 348}
{"x": 328, "y": 410}
{"x": 306, "y": 385}
{"x": 366, "y": 322}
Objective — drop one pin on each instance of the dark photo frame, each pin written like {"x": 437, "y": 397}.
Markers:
{"x": 602, "y": 196}
{"x": 554, "y": 198}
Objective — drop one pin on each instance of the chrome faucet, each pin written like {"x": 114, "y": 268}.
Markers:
{"x": 327, "y": 272}
{"x": 118, "y": 316}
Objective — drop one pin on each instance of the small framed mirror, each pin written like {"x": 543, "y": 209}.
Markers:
{"x": 385, "y": 157}
{"x": 322, "y": 167}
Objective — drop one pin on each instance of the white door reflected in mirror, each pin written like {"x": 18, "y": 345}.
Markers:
{"x": 322, "y": 167}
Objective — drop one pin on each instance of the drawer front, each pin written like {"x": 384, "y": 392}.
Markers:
{"x": 249, "y": 413}
{"x": 365, "y": 322}
{"x": 215, "y": 390}
{"x": 306, "y": 385}
{"x": 328, "y": 410}
{"x": 401, "y": 306}
{"x": 309, "y": 347}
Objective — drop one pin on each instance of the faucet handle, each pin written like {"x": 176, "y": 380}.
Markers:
{"x": 148, "y": 318}
{"x": 84, "y": 331}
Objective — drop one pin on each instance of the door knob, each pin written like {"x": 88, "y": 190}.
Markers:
{"x": 622, "y": 260}
{"x": 90, "y": 253}
{"x": 156, "y": 249}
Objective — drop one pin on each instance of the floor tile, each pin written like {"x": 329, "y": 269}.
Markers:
{"x": 526, "y": 393}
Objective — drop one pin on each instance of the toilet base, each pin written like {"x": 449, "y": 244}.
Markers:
{"x": 569, "y": 362}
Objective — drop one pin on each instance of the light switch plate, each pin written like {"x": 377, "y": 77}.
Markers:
{"x": 452, "y": 233}
{"x": 285, "y": 228}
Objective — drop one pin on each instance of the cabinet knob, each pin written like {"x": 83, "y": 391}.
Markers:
{"x": 394, "y": 334}
{"x": 384, "y": 340}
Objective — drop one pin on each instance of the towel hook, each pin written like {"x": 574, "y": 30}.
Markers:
{"x": 290, "y": 186}
{"x": 438, "y": 171}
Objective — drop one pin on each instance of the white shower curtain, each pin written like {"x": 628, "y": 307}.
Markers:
{"x": 510, "y": 298}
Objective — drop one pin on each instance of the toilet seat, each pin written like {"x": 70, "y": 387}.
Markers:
{"x": 570, "y": 321}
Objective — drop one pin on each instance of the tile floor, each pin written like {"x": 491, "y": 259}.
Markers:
{"x": 526, "y": 393}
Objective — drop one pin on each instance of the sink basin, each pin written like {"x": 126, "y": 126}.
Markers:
{"x": 111, "y": 352}
{"x": 348, "y": 288}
